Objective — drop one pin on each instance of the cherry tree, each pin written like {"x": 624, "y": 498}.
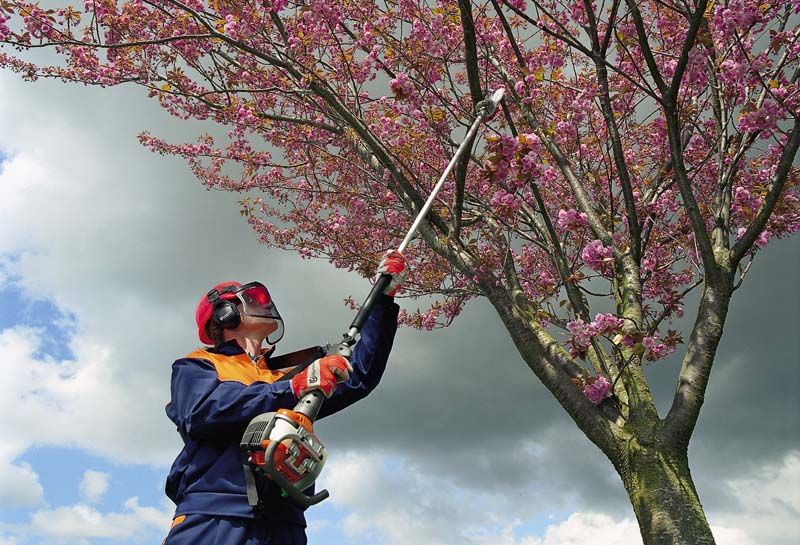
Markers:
{"x": 644, "y": 150}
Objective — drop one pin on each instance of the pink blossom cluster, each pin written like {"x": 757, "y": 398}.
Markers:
{"x": 569, "y": 220}
{"x": 5, "y": 32}
{"x": 581, "y": 333}
{"x": 98, "y": 8}
{"x": 439, "y": 315}
{"x": 597, "y": 389}
{"x": 519, "y": 4}
{"x": 736, "y": 16}
{"x": 530, "y": 162}
{"x": 535, "y": 270}
{"x": 402, "y": 86}
{"x": 667, "y": 203}
{"x": 744, "y": 201}
{"x": 597, "y": 256}
{"x": 655, "y": 348}
{"x": 39, "y": 23}
{"x": 580, "y": 338}
{"x": 606, "y": 324}
{"x": 764, "y": 118}
{"x": 505, "y": 204}
{"x": 578, "y": 12}
{"x": 245, "y": 116}
{"x": 231, "y": 27}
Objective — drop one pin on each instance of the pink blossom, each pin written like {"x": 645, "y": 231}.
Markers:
{"x": 581, "y": 333}
{"x": 580, "y": 338}
{"x": 578, "y": 12}
{"x": 5, "y": 32}
{"x": 245, "y": 116}
{"x": 571, "y": 219}
{"x": 596, "y": 256}
{"x": 655, "y": 349}
{"x": 764, "y": 118}
{"x": 606, "y": 324}
{"x": 402, "y": 86}
{"x": 533, "y": 141}
{"x": 529, "y": 163}
{"x": 231, "y": 25}
{"x": 505, "y": 203}
{"x": 597, "y": 389}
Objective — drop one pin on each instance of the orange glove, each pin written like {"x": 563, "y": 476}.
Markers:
{"x": 323, "y": 375}
{"x": 393, "y": 263}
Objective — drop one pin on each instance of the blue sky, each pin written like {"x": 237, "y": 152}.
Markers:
{"x": 19, "y": 309}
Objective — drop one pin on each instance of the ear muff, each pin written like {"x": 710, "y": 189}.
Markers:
{"x": 225, "y": 313}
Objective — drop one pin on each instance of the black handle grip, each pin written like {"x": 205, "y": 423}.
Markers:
{"x": 380, "y": 285}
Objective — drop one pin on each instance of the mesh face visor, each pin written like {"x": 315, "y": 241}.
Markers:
{"x": 257, "y": 302}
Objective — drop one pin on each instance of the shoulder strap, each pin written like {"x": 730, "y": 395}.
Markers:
{"x": 298, "y": 360}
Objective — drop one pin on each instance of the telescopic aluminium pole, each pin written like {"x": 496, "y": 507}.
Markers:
{"x": 311, "y": 403}
{"x": 485, "y": 109}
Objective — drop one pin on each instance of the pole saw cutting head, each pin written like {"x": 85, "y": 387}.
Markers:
{"x": 486, "y": 108}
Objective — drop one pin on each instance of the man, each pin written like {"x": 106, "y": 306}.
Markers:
{"x": 217, "y": 390}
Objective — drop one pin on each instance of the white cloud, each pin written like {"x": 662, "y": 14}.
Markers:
{"x": 76, "y": 402}
{"x": 581, "y": 528}
{"x": 94, "y": 485}
{"x": 79, "y": 522}
{"x": 767, "y": 506}
{"x": 19, "y": 485}
{"x": 390, "y": 501}
{"x": 396, "y": 503}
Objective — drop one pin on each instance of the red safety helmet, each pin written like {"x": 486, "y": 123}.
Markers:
{"x": 252, "y": 298}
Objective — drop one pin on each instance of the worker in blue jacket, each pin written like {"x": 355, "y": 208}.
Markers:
{"x": 218, "y": 389}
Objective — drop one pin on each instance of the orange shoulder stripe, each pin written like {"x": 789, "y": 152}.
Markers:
{"x": 239, "y": 368}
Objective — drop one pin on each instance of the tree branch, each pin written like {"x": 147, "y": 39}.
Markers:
{"x": 697, "y": 362}
{"x": 598, "y": 55}
{"x": 568, "y": 171}
{"x": 644, "y": 44}
{"x": 689, "y": 202}
{"x": 548, "y": 361}
{"x": 476, "y": 93}
{"x": 683, "y": 60}
{"x": 785, "y": 166}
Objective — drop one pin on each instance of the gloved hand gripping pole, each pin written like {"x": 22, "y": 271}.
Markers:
{"x": 282, "y": 444}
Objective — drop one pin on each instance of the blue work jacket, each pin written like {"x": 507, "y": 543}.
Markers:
{"x": 215, "y": 394}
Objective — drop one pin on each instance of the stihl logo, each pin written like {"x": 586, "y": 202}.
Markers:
{"x": 313, "y": 374}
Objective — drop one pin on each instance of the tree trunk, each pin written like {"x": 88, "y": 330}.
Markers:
{"x": 663, "y": 496}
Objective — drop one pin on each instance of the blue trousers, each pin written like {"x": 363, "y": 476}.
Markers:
{"x": 213, "y": 530}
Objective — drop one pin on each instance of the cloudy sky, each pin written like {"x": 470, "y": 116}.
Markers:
{"x": 104, "y": 251}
